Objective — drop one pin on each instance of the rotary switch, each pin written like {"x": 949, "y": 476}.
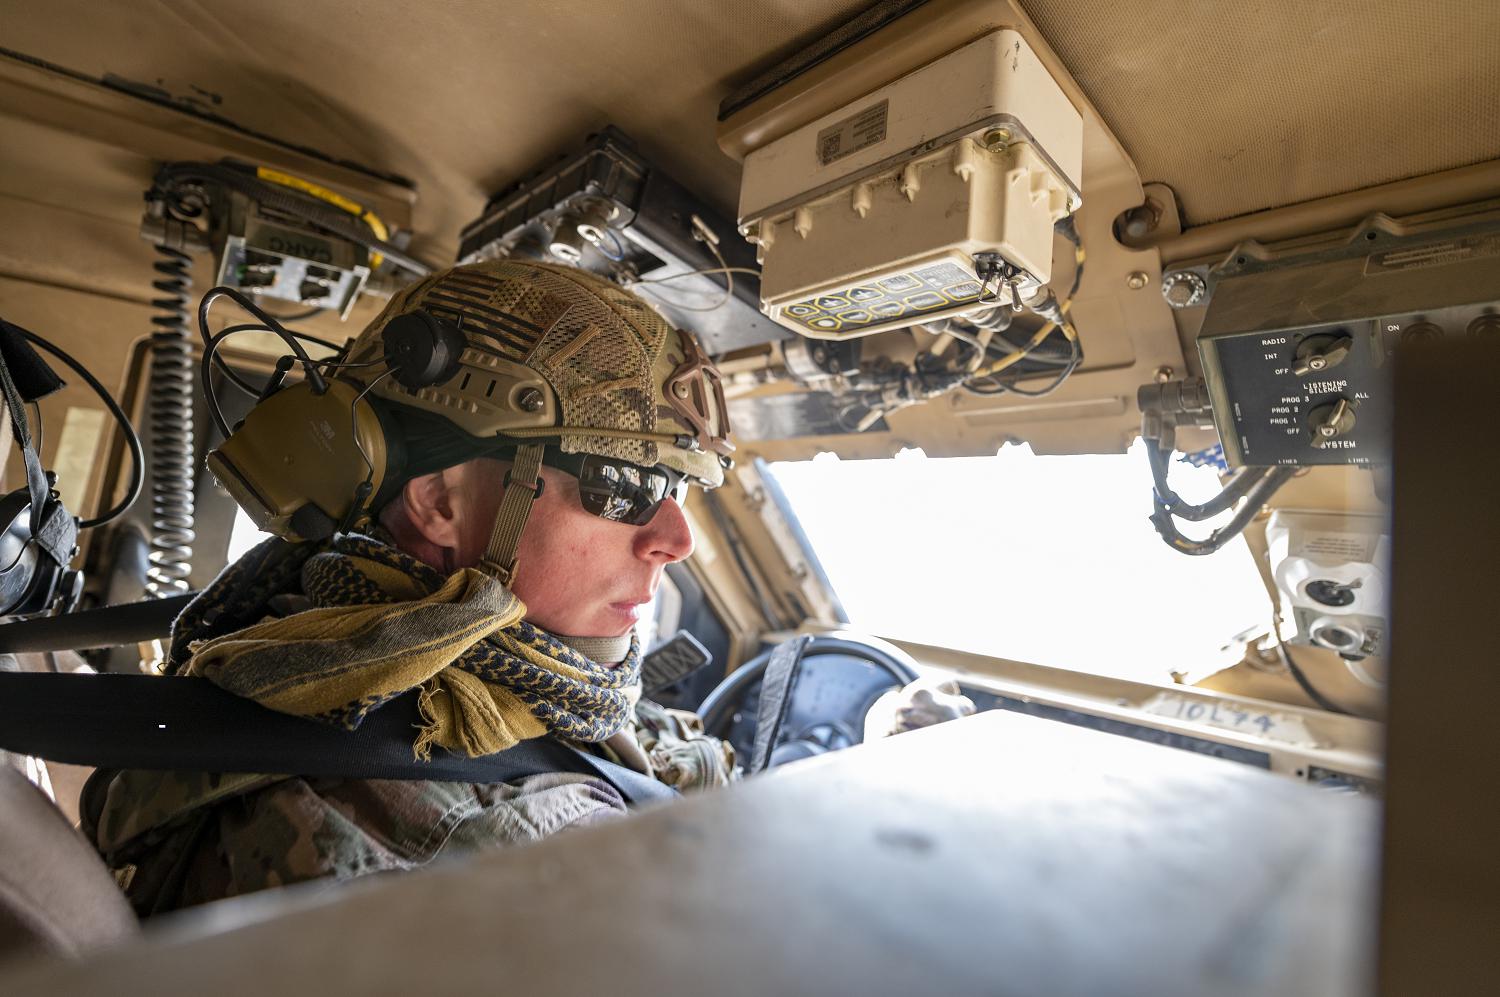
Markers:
{"x": 1317, "y": 354}
{"x": 1330, "y": 422}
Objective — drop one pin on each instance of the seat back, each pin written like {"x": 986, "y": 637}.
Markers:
{"x": 56, "y": 896}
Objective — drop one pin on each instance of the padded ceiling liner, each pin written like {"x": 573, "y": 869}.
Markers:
{"x": 1239, "y": 106}
{"x": 1242, "y": 106}
{"x": 461, "y": 96}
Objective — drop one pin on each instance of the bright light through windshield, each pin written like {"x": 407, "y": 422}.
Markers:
{"x": 1042, "y": 559}
{"x": 243, "y": 535}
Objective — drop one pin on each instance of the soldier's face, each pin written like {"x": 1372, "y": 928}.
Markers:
{"x": 582, "y": 576}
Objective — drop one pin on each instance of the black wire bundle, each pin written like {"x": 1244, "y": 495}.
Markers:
{"x": 1255, "y": 485}
{"x": 1068, "y": 357}
{"x": 1301, "y": 679}
{"x": 240, "y": 382}
{"x": 211, "y": 345}
{"x": 1045, "y": 354}
{"x": 1063, "y": 375}
{"x": 1241, "y": 483}
{"x": 132, "y": 439}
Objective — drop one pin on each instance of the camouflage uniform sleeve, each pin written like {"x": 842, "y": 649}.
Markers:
{"x": 681, "y": 754}
{"x": 296, "y": 830}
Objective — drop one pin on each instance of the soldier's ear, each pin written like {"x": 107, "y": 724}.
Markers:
{"x": 429, "y": 507}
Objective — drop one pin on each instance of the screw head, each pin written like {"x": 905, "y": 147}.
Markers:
{"x": 1163, "y": 375}
{"x": 680, "y": 389}
{"x": 1137, "y": 280}
{"x": 997, "y": 139}
{"x": 1183, "y": 288}
{"x": 530, "y": 400}
{"x": 1317, "y": 363}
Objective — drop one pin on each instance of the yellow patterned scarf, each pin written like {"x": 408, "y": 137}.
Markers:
{"x": 383, "y": 624}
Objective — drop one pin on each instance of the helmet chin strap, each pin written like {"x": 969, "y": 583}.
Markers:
{"x": 523, "y": 485}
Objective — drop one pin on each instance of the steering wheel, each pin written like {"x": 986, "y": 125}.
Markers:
{"x": 842, "y": 676}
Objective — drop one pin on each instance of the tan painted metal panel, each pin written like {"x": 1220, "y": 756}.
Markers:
{"x": 999, "y": 854}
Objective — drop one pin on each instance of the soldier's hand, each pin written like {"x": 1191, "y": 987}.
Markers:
{"x": 921, "y": 704}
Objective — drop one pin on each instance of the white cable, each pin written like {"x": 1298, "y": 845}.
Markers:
{"x": 722, "y": 268}
{"x": 693, "y": 273}
{"x": 668, "y": 302}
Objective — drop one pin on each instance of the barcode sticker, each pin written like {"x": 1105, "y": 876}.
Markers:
{"x": 856, "y": 132}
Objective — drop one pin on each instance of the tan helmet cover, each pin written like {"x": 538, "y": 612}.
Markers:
{"x": 559, "y": 353}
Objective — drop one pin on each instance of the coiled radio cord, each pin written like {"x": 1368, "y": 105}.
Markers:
{"x": 170, "y": 427}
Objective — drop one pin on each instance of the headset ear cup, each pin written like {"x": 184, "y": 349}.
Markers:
{"x": 382, "y": 447}
{"x": 30, "y": 574}
{"x": 300, "y": 448}
{"x": 16, "y": 549}
{"x": 373, "y": 444}
{"x": 421, "y": 349}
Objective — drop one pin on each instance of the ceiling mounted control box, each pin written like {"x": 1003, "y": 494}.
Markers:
{"x": 268, "y": 255}
{"x": 605, "y": 208}
{"x": 1298, "y": 347}
{"x": 932, "y": 195}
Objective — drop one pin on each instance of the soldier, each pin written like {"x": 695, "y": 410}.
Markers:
{"x": 536, "y": 506}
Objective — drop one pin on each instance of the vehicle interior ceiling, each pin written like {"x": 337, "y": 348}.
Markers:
{"x": 1204, "y": 130}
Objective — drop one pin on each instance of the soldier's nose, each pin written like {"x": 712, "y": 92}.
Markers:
{"x": 667, "y": 538}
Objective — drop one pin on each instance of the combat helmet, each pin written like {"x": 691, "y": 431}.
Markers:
{"x": 554, "y": 355}
{"x": 501, "y": 357}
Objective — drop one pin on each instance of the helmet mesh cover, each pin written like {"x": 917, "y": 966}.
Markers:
{"x": 605, "y": 353}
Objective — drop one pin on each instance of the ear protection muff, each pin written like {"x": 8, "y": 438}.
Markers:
{"x": 38, "y": 536}
{"x": 306, "y": 464}
{"x": 34, "y": 572}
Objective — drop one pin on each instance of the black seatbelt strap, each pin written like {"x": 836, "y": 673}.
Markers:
{"x": 105, "y": 626}
{"x": 145, "y": 722}
{"x": 776, "y": 698}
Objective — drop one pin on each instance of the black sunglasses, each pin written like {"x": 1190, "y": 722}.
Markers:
{"x": 618, "y": 490}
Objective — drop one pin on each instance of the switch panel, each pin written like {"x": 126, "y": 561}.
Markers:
{"x": 1297, "y": 354}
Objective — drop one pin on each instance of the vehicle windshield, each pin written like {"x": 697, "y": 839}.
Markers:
{"x": 1049, "y": 560}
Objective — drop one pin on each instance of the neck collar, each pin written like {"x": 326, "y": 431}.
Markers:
{"x": 604, "y": 650}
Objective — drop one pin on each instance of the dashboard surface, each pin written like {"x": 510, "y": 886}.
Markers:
{"x": 999, "y": 854}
